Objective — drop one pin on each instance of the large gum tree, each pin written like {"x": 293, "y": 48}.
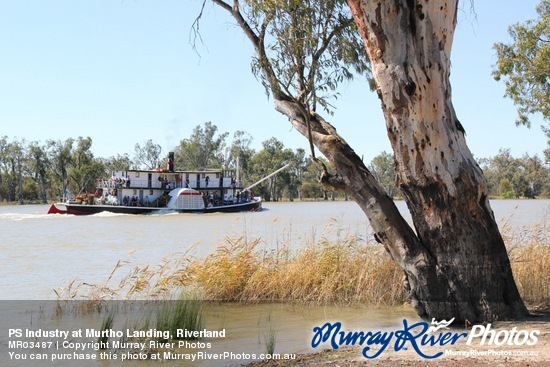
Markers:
{"x": 454, "y": 259}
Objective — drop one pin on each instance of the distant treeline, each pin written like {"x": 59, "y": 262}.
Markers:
{"x": 42, "y": 171}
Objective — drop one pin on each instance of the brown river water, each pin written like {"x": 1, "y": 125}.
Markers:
{"x": 40, "y": 253}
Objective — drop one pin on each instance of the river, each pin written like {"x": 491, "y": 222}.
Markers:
{"x": 42, "y": 253}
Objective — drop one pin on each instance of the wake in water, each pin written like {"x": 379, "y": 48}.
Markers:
{"x": 26, "y": 216}
{"x": 22, "y": 216}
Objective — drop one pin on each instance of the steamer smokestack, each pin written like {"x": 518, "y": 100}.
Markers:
{"x": 171, "y": 162}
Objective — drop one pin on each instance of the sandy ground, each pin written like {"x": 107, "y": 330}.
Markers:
{"x": 524, "y": 356}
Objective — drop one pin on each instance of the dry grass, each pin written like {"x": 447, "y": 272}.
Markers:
{"x": 141, "y": 282}
{"x": 346, "y": 272}
{"x": 529, "y": 252}
{"x": 322, "y": 274}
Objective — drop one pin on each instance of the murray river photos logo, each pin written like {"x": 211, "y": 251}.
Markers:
{"x": 419, "y": 336}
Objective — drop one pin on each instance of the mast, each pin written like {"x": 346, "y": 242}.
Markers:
{"x": 238, "y": 168}
{"x": 268, "y": 176}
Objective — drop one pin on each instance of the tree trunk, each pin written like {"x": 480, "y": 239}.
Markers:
{"x": 40, "y": 177}
{"x": 456, "y": 265}
{"x": 409, "y": 44}
{"x": 12, "y": 181}
{"x": 43, "y": 189}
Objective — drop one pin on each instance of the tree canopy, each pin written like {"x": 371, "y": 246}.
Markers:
{"x": 48, "y": 167}
{"x": 147, "y": 156}
{"x": 524, "y": 65}
{"x": 203, "y": 149}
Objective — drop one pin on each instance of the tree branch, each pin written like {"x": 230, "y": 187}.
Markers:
{"x": 353, "y": 177}
{"x": 257, "y": 41}
{"x": 324, "y": 46}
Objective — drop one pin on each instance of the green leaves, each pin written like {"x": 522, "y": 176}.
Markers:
{"x": 305, "y": 49}
{"x": 147, "y": 156}
{"x": 524, "y": 65}
{"x": 202, "y": 150}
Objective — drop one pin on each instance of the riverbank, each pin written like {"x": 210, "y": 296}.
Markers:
{"x": 458, "y": 355}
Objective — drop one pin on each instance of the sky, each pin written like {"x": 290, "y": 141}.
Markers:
{"x": 123, "y": 71}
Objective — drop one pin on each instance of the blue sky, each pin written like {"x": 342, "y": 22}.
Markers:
{"x": 123, "y": 72}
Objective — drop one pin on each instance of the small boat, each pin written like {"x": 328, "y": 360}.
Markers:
{"x": 164, "y": 191}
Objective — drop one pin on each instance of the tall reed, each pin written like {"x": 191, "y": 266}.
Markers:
{"x": 183, "y": 313}
{"x": 529, "y": 252}
{"x": 348, "y": 271}
{"x": 270, "y": 334}
{"x": 106, "y": 324}
{"x": 323, "y": 273}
